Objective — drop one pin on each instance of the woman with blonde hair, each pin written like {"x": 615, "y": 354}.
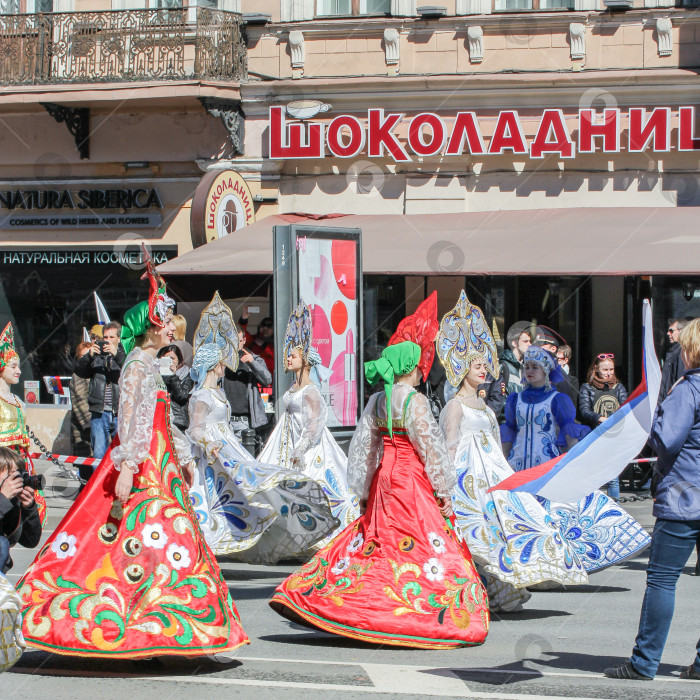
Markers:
{"x": 180, "y": 339}
{"x": 675, "y": 436}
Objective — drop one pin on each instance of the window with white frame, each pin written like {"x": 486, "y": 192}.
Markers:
{"x": 528, "y": 5}
{"x": 331, "y": 8}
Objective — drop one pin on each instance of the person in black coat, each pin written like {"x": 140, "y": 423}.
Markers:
{"x": 19, "y": 517}
{"x": 673, "y": 368}
{"x": 179, "y": 384}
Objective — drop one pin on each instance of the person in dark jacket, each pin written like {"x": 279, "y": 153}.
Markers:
{"x": 19, "y": 517}
{"x": 518, "y": 340}
{"x": 675, "y": 436}
{"x": 599, "y": 397}
{"x": 242, "y": 391}
{"x": 673, "y": 368}
{"x": 551, "y": 341}
{"x": 178, "y": 382}
{"x": 102, "y": 366}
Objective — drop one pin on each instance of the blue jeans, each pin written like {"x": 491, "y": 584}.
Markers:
{"x": 614, "y": 488}
{"x": 102, "y": 429}
{"x": 4, "y": 552}
{"x": 672, "y": 543}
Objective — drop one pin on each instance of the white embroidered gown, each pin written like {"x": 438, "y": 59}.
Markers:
{"x": 265, "y": 512}
{"x": 301, "y": 433}
{"x": 511, "y": 535}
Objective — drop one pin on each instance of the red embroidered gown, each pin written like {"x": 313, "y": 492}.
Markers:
{"x": 398, "y": 575}
{"x": 137, "y": 580}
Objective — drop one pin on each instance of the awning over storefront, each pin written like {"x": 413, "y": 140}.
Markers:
{"x": 587, "y": 241}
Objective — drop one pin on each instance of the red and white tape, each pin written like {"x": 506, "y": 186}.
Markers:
{"x": 69, "y": 459}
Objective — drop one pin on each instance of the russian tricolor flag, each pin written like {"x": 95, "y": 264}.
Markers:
{"x": 604, "y": 452}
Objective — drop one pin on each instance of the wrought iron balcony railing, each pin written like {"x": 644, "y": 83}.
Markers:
{"x": 121, "y": 45}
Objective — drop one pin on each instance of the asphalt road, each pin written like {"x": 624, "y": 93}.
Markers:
{"x": 556, "y": 648}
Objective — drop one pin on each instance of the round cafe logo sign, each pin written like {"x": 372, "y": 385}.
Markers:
{"x": 221, "y": 205}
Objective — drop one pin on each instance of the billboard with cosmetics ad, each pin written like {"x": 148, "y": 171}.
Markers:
{"x": 322, "y": 266}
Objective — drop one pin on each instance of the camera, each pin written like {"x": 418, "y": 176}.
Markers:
{"x": 101, "y": 345}
{"x": 37, "y": 482}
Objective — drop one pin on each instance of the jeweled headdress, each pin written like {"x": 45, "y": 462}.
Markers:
{"x": 299, "y": 333}
{"x": 7, "y": 346}
{"x": 464, "y": 336}
{"x": 420, "y": 328}
{"x": 217, "y": 327}
{"x": 159, "y": 303}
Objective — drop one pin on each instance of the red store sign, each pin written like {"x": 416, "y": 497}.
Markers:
{"x": 429, "y": 134}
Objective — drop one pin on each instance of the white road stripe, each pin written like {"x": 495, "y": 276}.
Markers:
{"x": 463, "y": 692}
{"x": 453, "y": 669}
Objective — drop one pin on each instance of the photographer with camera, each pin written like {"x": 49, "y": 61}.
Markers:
{"x": 102, "y": 366}
{"x": 19, "y": 515}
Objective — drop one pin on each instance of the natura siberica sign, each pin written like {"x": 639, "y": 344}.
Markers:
{"x": 401, "y": 138}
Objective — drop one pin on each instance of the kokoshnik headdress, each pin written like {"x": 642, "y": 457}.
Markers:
{"x": 420, "y": 328}
{"x": 217, "y": 327}
{"x": 464, "y": 336}
{"x": 299, "y": 334}
{"x": 7, "y": 346}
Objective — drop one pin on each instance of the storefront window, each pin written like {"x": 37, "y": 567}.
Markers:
{"x": 49, "y": 301}
{"x": 672, "y": 298}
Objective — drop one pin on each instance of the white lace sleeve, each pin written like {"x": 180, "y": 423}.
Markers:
{"x": 137, "y": 408}
{"x": 451, "y": 424}
{"x": 366, "y": 450}
{"x": 425, "y": 435}
{"x": 205, "y": 437}
{"x": 313, "y": 420}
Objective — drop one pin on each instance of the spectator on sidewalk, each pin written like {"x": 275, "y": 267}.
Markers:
{"x": 179, "y": 385}
{"x": 186, "y": 351}
{"x": 599, "y": 397}
{"x": 263, "y": 343}
{"x": 102, "y": 366}
{"x": 673, "y": 368}
{"x": 551, "y": 341}
{"x": 80, "y": 409}
{"x": 242, "y": 390}
{"x": 675, "y": 436}
{"x": 19, "y": 517}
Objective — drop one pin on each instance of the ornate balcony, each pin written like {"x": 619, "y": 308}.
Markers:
{"x": 121, "y": 45}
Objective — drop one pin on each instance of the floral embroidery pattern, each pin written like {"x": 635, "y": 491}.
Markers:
{"x": 64, "y": 545}
{"x": 181, "y": 598}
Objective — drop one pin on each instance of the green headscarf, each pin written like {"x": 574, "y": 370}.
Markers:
{"x": 136, "y": 323}
{"x": 396, "y": 359}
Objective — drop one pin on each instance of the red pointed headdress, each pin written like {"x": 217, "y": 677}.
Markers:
{"x": 421, "y": 328}
{"x": 7, "y": 346}
{"x": 158, "y": 301}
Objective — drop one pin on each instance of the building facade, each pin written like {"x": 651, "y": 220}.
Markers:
{"x": 113, "y": 112}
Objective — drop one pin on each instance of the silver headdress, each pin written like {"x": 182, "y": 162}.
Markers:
{"x": 464, "y": 336}
{"x": 217, "y": 327}
{"x": 299, "y": 333}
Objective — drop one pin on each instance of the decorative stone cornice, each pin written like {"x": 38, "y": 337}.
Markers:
{"x": 475, "y": 40}
{"x": 577, "y": 38}
{"x": 297, "y": 52}
{"x": 663, "y": 36}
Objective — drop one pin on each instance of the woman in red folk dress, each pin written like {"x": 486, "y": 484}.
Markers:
{"x": 127, "y": 573}
{"x": 399, "y": 574}
{"x": 13, "y": 425}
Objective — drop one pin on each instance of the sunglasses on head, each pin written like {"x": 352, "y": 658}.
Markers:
{"x": 606, "y": 356}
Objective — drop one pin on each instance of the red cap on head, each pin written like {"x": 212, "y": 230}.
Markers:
{"x": 421, "y": 328}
